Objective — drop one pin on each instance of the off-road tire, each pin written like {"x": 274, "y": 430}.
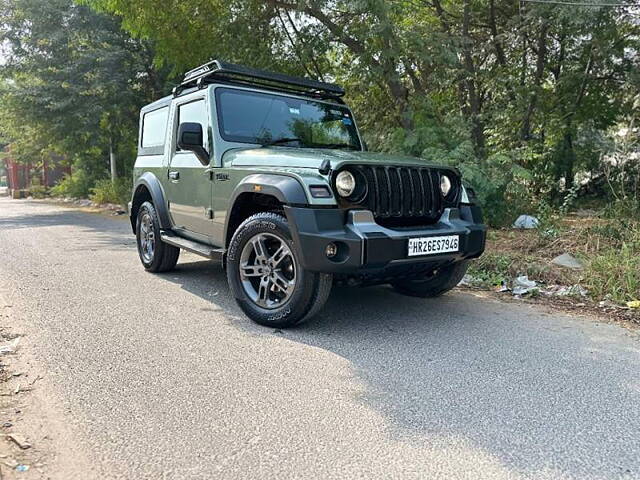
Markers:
{"x": 311, "y": 289}
{"x": 165, "y": 256}
{"x": 442, "y": 282}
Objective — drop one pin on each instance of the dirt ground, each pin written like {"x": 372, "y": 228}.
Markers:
{"x": 35, "y": 439}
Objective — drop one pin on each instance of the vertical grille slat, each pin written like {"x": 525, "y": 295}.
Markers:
{"x": 435, "y": 191}
{"x": 408, "y": 198}
{"x": 419, "y": 192}
{"x": 395, "y": 192}
{"x": 383, "y": 191}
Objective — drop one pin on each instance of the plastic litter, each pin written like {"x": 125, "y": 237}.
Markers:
{"x": 566, "y": 291}
{"x": 466, "y": 281}
{"x": 568, "y": 261}
{"x": 22, "y": 468}
{"x": 526, "y": 222}
{"x": 522, "y": 285}
{"x": 633, "y": 304}
{"x": 10, "y": 347}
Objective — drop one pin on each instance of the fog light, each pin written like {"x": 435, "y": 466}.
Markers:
{"x": 331, "y": 250}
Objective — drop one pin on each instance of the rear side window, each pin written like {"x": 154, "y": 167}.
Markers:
{"x": 154, "y": 128}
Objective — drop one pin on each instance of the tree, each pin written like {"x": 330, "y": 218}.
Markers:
{"x": 75, "y": 81}
{"x": 512, "y": 94}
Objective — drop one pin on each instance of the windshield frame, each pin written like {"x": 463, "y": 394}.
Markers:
{"x": 233, "y": 140}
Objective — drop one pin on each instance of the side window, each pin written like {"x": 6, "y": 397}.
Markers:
{"x": 195, "y": 112}
{"x": 154, "y": 128}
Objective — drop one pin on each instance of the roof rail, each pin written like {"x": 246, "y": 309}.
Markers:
{"x": 219, "y": 70}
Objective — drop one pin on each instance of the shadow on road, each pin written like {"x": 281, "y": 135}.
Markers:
{"x": 529, "y": 388}
{"x": 93, "y": 224}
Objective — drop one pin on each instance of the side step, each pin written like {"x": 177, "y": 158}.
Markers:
{"x": 192, "y": 246}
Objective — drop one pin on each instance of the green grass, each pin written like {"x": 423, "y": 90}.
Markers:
{"x": 615, "y": 275}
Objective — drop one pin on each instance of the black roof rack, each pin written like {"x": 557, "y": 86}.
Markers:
{"x": 217, "y": 70}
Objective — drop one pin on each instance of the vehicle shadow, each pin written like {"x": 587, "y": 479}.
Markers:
{"x": 531, "y": 389}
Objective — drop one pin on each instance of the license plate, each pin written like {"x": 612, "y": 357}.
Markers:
{"x": 433, "y": 245}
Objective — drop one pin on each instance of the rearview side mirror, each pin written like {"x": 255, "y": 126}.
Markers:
{"x": 190, "y": 138}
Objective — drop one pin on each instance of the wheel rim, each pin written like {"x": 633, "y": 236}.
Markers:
{"x": 268, "y": 270}
{"x": 147, "y": 238}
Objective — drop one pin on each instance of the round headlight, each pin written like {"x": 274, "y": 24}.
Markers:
{"x": 445, "y": 185}
{"x": 345, "y": 183}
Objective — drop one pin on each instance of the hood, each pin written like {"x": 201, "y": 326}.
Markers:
{"x": 312, "y": 157}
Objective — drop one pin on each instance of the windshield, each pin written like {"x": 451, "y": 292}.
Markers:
{"x": 272, "y": 119}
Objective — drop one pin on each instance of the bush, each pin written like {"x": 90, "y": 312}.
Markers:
{"x": 106, "y": 191}
{"x": 76, "y": 185}
{"x": 38, "y": 191}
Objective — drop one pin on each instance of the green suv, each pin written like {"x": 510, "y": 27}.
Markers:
{"x": 269, "y": 174}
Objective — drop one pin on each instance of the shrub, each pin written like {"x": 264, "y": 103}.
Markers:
{"x": 38, "y": 191}
{"x": 76, "y": 185}
{"x": 106, "y": 191}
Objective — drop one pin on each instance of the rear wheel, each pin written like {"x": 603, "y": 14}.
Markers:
{"x": 443, "y": 281}
{"x": 266, "y": 276}
{"x": 155, "y": 255}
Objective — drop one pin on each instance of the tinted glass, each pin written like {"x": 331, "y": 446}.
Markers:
{"x": 263, "y": 118}
{"x": 197, "y": 113}
{"x": 154, "y": 128}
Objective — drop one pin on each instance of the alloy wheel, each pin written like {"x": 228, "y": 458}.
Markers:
{"x": 147, "y": 237}
{"x": 268, "y": 270}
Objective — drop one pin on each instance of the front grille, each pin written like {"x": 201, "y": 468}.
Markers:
{"x": 396, "y": 193}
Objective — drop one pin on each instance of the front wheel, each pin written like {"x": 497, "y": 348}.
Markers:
{"x": 444, "y": 280}
{"x": 266, "y": 277}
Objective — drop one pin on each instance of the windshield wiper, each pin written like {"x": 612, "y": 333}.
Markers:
{"x": 336, "y": 145}
{"x": 280, "y": 141}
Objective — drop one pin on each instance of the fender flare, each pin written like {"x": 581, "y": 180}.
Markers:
{"x": 287, "y": 190}
{"x": 153, "y": 185}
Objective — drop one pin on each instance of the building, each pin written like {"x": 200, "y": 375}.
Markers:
{"x": 22, "y": 176}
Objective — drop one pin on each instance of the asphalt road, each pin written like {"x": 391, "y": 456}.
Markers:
{"x": 161, "y": 376}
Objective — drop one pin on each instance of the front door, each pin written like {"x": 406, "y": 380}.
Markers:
{"x": 189, "y": 184}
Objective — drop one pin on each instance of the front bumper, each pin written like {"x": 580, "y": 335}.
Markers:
{"x": 364, "y": 247}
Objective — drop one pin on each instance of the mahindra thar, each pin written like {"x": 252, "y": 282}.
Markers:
{"x": 269, "y": 174}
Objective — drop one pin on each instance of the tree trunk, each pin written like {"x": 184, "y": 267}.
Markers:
{"x": 477, "y": 127}
{"x": 537, "y": 81}
{"x": 569, "y": 160}
{"x": 112, "y": 161}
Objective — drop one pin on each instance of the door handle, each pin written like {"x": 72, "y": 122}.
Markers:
{"x": 174, "y": 175}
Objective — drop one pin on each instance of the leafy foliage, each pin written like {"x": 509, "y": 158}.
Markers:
{"x": 73, "y": 83}
{"x": 107, "y": 191}
{"x": 77, "y": 185}
{"x": 516, "y": 97}
{"x": 525, "y": 99}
